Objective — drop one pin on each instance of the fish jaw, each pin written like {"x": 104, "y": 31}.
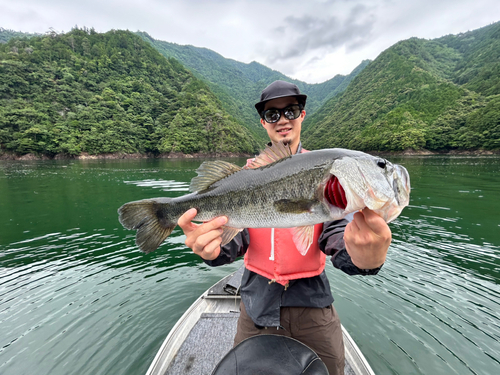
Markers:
{"x": 383, "y": 190}
{"x": 401, "y": 185}
{"x": 364, "y": 185}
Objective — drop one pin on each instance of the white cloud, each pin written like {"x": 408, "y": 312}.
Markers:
{"x": 310, "y": 41}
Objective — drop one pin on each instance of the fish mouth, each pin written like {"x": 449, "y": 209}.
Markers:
{"x": 334, "y": 193}
{"x": 401, "y": 185}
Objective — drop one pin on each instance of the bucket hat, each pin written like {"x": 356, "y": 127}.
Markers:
{"x": 279, "y": 89}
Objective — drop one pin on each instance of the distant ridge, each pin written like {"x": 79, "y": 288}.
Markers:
{"x": 238, "y": 85}
{"x": 7, "y": 34}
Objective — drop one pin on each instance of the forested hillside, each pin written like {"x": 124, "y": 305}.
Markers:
{"x": 107, "y": 93}
{"x": 124, "y": 92}
{"x": 238, "y": 85}
{"x": 441, "y": 95}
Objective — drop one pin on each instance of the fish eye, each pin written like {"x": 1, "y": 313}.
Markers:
{"x": 381, "y": 163}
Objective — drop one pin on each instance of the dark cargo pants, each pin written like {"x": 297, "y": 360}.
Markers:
{"x": 318, "y": 328}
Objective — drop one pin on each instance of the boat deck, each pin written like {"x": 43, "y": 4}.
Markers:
{"x": 205, "y": 333}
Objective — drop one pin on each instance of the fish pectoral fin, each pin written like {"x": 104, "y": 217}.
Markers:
{"x": 228, "y": 234}
{"x": 271, "y": 154}
{"x": 210, "y": 172}
{"x": 303, "y": 238}
{"x": 294, "y": 206}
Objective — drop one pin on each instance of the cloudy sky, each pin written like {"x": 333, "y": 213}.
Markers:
{"x": 308, "y": 40}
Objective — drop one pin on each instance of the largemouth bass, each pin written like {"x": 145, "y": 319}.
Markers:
{"x": 277, "y": 190}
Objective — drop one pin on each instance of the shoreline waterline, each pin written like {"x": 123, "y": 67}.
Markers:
{"x": 200, "y": 155}
{"x": 120, "y": 155}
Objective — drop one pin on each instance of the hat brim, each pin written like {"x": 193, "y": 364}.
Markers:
{"x": 260, "y": 105}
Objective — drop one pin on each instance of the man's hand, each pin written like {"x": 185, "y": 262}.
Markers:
{"x": 367, "y": 239}
{"x": 204, "y": 239}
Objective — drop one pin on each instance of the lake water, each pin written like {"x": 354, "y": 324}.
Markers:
{"x": 77, "y": 297}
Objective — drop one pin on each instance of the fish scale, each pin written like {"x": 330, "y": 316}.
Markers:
{"x": 255, "y": 191}
{"x": 282, "y": 191}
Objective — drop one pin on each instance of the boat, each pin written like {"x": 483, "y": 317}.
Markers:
{"x": 204, "y": 335}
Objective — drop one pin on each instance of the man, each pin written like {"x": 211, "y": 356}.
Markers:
{"x": 301, "y": 308}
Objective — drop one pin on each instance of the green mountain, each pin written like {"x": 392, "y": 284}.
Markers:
{"x": 6, "y": 35}
{"x": 104, "y": 93}
{"x": 440, "y": 94}
{"x": 479, "y": 68}
{"x": 238, "y": 85}
{"x": 89, "y": 92}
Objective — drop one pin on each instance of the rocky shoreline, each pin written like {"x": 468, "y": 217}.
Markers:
{"x": 411, "y": 152}
{"x": 119, "y": 155}
{"x": 180, "y": 155}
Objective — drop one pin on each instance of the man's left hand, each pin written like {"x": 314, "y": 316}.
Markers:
{"x": 367, "y": 238}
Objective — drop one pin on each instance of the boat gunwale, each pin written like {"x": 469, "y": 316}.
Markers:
{"x": 203, "y": 304}
{"x": 174, "y": 336}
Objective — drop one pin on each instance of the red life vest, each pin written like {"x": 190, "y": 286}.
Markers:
{"x": 273, "y": 254}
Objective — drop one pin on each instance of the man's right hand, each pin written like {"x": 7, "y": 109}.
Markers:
{"x": 204, "y": 239}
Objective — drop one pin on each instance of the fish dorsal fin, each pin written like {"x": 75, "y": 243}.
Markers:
{"x": 210, "y": 172}
{"x": 271, "y": 154}
{"x": 303, "y": 238}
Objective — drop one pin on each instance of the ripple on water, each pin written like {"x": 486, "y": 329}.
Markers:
{"x": 87, "y": 301}
{"x": 165, "y": 185}
{"x": 430, "y": 291}
{"x": 72, "y": 299}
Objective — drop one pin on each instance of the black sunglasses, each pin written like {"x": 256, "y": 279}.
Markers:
{"x": 291, "y": 112}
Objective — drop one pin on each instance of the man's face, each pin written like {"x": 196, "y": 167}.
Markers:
{"x": 284, "y": 130}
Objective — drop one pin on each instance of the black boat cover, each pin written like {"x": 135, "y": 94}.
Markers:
{"x": 270, "y": 355}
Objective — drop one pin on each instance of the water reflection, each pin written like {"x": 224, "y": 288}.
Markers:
{"x": 161, "y": 184}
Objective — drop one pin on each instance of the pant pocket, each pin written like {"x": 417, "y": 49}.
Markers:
{"x": 315, "y": 317}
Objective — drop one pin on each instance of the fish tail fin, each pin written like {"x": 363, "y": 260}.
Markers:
{"x": 146, "y": 216}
